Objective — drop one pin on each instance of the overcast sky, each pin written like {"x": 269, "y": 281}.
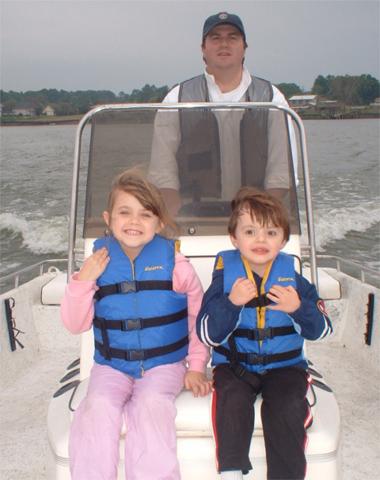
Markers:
{"x": 122, "y": 45}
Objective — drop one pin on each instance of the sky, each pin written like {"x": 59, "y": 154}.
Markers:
{"x": 125, "y": 44}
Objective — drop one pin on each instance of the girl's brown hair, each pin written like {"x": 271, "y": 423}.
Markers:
{"x": 132, "y": 181}
{"x": 263, "y": 207}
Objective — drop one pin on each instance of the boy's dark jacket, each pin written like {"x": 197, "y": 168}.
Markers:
{"x": 219, "y": 317}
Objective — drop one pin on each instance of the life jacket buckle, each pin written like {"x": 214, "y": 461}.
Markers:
{"x": 133, "y": 355}
{"x": 127, "y": 287}
{"x": 254, "y": 359}
{"x": 264, "y": 333}
{"x": 132, "y": 324}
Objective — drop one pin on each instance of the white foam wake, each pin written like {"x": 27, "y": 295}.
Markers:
{"x": 334, "y": 224}
{"x": 45, "y": 235}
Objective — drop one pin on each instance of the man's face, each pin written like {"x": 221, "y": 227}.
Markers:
{"x": 223, "y": 47}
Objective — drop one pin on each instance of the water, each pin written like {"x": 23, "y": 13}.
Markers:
{"x": 36, "y": 169}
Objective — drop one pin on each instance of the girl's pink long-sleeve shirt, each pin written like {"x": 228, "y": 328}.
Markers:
{"x": 77, "y": 307}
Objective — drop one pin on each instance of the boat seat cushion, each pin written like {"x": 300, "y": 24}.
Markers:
{"x": 52, "y": 292}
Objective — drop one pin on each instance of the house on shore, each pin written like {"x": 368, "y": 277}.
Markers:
{"x": 376, "y": 103}
{"x": 48, "y": 111}
{"x": 23, "y": 110}
{"x": 303, "y": 101}
{"x": 316, "y": 106}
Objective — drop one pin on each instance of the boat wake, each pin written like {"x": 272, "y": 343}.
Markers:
{"x": 39, "y": 236}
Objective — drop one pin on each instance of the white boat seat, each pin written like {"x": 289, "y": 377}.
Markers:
{"x": 329, "y": 288}
{"x": 195, "y": 442}
{"x": 52, "y": 293}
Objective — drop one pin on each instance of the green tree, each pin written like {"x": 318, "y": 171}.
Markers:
{"x": 321, "y": 86}
{"x": 368, "y": 89}
{"x": 289, "y": 89}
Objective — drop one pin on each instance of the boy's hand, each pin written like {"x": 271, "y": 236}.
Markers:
{"x": 285, "y": 298}
{"x": 94, "y": 265}
{"x": 242, "y": 291}
{"x": 197, "y": 382}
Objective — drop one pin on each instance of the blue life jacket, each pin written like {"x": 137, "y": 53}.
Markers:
{"x": 140, "y": 322}
{"x": 264, "y": 338}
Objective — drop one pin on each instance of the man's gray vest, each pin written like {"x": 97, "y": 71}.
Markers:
{"x": 198, "y": 155}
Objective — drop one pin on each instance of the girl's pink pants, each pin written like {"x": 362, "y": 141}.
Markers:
{"x": 147, "y": 405}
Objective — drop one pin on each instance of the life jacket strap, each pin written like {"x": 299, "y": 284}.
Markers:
{"x": 132, "y": 287}
{"x": 260, "y": 334}
{"x": 128, "y": 324}
{"x": 139, "y": 355}
{"x": 255, "y": 359}
{"x": 260, "y": 301}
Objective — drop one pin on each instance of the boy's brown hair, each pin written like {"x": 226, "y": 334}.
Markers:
{"x": 132, "y": 181}
{"x": 263, "y": 207}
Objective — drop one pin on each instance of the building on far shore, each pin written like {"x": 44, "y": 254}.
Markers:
{"x": 375, "y": 103}
{"x": 25, "y": 111}
{"x": 48, "y": 111}
{"x": 316, "y": 106}
{"x": 303, "y": 101}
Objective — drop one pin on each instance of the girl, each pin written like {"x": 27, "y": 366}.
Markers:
{"x": 147, "y": 298}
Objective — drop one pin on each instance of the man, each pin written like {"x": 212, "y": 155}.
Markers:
{"x": 197, "y": 152}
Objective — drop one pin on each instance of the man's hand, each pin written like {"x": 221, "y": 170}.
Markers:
{"x": 172, "y": 200}
{"x": 197, "y": 382}
{"x": 242, "y": 291}
{"x": 285, "y": 298}
{"x": 94, "y": 265}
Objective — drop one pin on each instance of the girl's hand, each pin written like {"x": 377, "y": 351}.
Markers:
{"x": 94, "y": 265}
{"x": 285, "y": 298}
{"x": 242, "y": 291}
{"x": 197, "y": 382}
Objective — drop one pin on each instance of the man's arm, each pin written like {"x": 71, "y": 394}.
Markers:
{"x": 280, "y": 99}
{"x": 278, "y": 176}
{"x": 163, "y": 169}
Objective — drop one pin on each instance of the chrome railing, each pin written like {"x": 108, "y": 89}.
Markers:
{"x": 186, "y": 106}
{"x": 19, "y": 277}
{"x": 365, "y": 275}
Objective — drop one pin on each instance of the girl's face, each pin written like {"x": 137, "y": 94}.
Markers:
{"x": 131, "y": 224}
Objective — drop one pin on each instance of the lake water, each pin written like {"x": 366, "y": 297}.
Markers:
{"x": 36, "y": 169}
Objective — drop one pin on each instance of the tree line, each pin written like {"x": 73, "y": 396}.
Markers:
{"x": 78, "y": 102}
{"x": 347, "y": 89}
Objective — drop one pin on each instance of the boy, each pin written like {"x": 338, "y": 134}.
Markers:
{"x": 256, "y": 314}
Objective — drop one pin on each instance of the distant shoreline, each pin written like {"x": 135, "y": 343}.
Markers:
{"x": 56, "y": 120}
{"x": 75, "y": 119}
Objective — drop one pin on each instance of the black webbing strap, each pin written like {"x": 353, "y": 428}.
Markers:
{"x": 260, "y": 301}
{"x": 255, "y": 359}
{"x": 128, "y": 324}
{"x": 133, "y": 355}
{"x": 106, "y": 343}
{"x": 132, "y": 287}
{"x": 263, "y": 333}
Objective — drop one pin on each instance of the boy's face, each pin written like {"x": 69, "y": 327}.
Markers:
{"x": 259, "y": 245}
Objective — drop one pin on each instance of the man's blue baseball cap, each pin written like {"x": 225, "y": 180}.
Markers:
{"x": 220, "y": 19}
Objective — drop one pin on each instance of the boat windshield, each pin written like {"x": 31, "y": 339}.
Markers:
{"x": 197, "y": 157}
